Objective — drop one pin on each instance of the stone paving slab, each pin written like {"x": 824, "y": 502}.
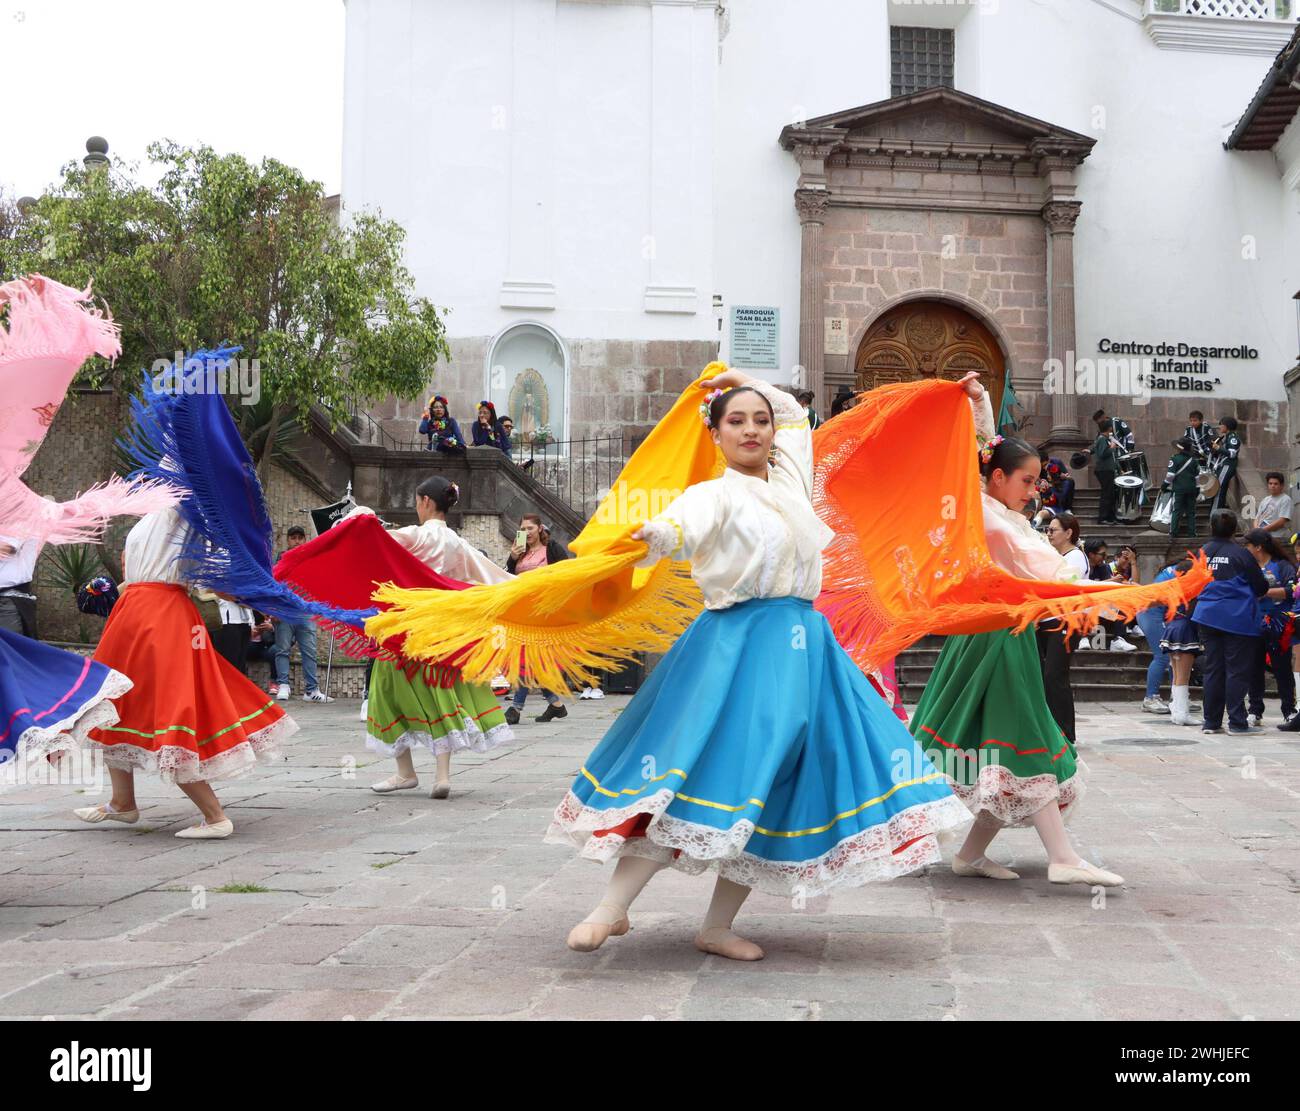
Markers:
{"x": 333, "y": 903}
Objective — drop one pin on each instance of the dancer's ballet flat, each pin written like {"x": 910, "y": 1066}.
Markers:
{"x": 723, "y": 943}
{"x": 208, "y": 831}
{"x": 104, "y": 814}
{"x": 1083, "y": 872}
{"x": 440, "y": 790}
{"x": 587, "y": 937}
{"x": 394, "y": 783}
{"x": 983, "y": 866}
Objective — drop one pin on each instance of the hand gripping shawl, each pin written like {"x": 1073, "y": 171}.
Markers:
{"x": 183, "y": 434}
{"x": 47, "y": 331}
{"x": 896, "y": 478}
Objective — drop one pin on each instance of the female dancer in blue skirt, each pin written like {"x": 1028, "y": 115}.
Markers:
{"x": 756, "y": 748}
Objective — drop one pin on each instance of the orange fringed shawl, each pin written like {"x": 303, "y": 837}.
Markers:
{"x": 559, "y": 624}
{"x": 897, "y": 480}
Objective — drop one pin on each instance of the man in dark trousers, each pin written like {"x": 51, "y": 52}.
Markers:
{"x": 1228, "y": 618}
{"x": 1106, "y": 463}
{"x": 1226, "y": 457}
{"x": 1180, "y": 478}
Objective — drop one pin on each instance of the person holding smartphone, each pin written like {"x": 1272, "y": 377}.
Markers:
{"x": 533, "y": 548}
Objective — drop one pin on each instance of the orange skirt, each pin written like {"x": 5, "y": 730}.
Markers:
{"x": 190, "y": 716}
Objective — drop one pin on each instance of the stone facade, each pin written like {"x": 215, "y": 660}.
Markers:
{"x": 993, "y": 265}
{"x": 618, "y": 388}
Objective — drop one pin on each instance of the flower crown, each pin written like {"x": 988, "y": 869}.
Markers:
{"x": 708, "y": 404}
{"x": 986, "y": 452}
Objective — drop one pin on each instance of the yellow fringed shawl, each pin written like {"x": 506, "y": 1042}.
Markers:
{"x": 559, "y": 624}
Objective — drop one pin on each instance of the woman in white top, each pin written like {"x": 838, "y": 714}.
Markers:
{"x": 1054, "y": 651}
{"x": 407, "y": 706}
{"x": 983, "y": 717}
{"x": 756, "y": 748}
{"x": 191, "y": 717}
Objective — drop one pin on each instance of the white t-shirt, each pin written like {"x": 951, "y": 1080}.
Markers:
{"x": 1273, "y": 508}
{"x": 18, "y": 568}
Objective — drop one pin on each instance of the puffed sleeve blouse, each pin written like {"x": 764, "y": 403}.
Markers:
{"x": 1013, "y": 543}
{"x": 748, "y": 537}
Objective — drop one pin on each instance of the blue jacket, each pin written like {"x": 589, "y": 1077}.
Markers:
{"x": 1231, "y": 602}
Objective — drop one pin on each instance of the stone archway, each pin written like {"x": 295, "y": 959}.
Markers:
{"x": 929, "y": 339}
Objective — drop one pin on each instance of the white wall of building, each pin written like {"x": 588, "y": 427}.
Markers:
{"x": 648, "y": 132}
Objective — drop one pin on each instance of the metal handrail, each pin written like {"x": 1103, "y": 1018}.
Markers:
{"x": 578, "y": 472}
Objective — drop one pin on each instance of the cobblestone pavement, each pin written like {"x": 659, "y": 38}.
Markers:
{"x": 332, "y": 902}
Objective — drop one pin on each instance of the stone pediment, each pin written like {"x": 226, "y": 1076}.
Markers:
{"x": 937, "y": 124}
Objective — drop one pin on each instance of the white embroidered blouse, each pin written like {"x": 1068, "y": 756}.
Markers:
{"x": 750, "y": 537}
{"x": 442, "y": 549}
{"x": 1015, "y": 545}
{"x": 152, "y": 546}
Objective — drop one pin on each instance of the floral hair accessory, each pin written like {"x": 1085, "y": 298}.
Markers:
{"x": 986, "y": 452}
{"x": 708, "y": 404}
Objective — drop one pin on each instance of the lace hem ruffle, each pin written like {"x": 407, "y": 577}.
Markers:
{"x": 1013, "y": 801}
{"x": 174, "y": 764}
{"x": 904, "y": 843}
{"x": 469, "y": 739}
{"x": 68, "y": 733}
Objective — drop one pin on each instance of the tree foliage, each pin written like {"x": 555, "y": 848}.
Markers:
{"x": 225, "y": 251}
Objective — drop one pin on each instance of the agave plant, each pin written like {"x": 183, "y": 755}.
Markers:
{"x": 69, "y": 567}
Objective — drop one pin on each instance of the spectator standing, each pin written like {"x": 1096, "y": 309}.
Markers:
{"x": 441, "y": 429}
{"x": 534, "y": 548}
{"x": 17, "y": 602}
{"x": 507, "y": 436}
{"x": 1229, "y": 622}
{"x": 841, "y": 400}
{"x": 1053, "y": 650}
{"x": 1180, "y": 479}
{"x": 1106, "y": 464}
{"x": 232, "y": 639}
{"x": 807, "y": 399}
{"x": 1273, "y": 652}
{"x": 1152, "y": 623}
{"x": 1227, "y": 452}
{"x": 1181, "y": 642}
{"x": 1198, "y": 436}
{"x": 304, "y": 635}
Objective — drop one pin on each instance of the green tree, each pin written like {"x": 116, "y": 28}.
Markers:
{"x": 225, "y": 251}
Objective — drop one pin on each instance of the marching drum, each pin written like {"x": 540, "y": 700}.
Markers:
{"x": 1163, "y": 512}
{"x": 1131, "y": 485}
{"x": 1208, "y": 483}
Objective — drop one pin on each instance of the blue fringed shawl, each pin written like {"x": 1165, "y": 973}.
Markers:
{"x": 183, "y": 433}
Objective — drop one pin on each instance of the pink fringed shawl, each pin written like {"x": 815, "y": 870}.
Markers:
{"x": 47, "y": 330}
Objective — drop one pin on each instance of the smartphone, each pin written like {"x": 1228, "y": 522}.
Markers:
{"x": 521, "y": 538}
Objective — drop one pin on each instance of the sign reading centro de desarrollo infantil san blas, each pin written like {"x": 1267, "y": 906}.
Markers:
{"x": 1176, "y": 365}
{"x": 755, "y": 335}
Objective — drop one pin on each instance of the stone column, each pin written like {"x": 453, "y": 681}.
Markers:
{"x": 812, "y": 205}
{"x": 1060, "y": 217}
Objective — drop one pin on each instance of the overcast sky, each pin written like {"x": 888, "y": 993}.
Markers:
{"x": 257, "y": 77}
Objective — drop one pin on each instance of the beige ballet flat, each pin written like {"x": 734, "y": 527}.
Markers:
{"x": 988, "y": 869}
{"x": 102, "y": 814}
{"x": 206, "y": 832}
{"x": 440, "y": 791}
{"x": 394, "y": 783}
{"x": 1083, "y": 873}
{"x": 587, "y": 937}
{"x": 725, "y": 943}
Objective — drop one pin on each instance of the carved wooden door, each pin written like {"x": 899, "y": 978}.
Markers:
{"x": 928, "y": 339}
